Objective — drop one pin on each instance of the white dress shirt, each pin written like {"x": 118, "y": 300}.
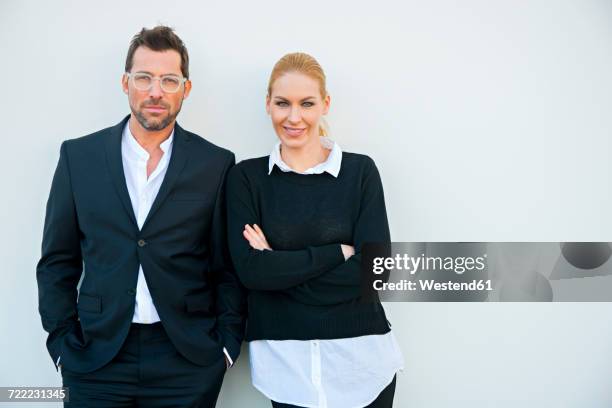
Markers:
{"x": 143, "y": 191}
{"x": 338, "y": 373}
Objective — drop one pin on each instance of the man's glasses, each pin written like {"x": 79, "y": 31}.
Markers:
{"x": 144, "y": 82}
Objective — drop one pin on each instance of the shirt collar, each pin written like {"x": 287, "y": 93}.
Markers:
{"x": 331, "y": 165}
{"x": 136, "y": 148}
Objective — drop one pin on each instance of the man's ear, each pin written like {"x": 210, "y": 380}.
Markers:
{"x": 124, "y": 83}
{"x": 187, "y": 89}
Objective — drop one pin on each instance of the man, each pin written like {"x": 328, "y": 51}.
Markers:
{"x": 137, "y": 211}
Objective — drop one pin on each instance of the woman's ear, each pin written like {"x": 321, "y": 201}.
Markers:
{"x": 326, "y": 103}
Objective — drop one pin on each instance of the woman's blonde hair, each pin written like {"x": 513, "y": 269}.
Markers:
{"x": 304, "y": 64}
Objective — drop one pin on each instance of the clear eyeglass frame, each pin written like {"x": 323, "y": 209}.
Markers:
{"x": 163, "y": 86}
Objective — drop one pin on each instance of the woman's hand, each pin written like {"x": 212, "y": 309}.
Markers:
{"x": 256, "y": 237}
{"x": 347, "y": 251}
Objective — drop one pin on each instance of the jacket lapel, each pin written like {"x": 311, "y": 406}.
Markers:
{"x": 178, "y": 159}
{"x": 115, "y": 165}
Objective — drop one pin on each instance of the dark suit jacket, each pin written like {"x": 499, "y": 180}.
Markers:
{"x": 90, "y": 230}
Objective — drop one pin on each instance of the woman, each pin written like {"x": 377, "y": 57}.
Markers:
{"x": 296, "y": 222}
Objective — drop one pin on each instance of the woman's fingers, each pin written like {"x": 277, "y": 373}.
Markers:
{"x": 254, "y": 238}
{"x": 253, "y": 233}
{"x": 259, "y": 231}
{"x": 263, "y": 237}
{"x": 248, "y": 237}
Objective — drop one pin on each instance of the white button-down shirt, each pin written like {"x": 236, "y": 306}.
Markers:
{"x": 338, "y": 373}
{"x": 143, "y": 191}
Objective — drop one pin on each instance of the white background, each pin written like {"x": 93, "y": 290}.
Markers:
{"x": 488, "y": 120}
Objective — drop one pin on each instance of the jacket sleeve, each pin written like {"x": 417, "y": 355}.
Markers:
{"x": 230, "y": 294}
{"x": 269, "y": 270}
{"x": 344, "y": 282}
{"x": 60, "y": 266}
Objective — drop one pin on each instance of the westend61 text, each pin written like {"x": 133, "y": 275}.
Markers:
{"x": 430, "y": 284}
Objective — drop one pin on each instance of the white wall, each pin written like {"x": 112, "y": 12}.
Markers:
{"x": 489, "y": 121}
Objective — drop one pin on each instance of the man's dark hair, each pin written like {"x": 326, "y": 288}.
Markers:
{"x": 160, "y": 38}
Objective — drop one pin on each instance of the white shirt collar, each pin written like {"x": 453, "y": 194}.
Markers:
{"x": 331, "y": 165}
{"x": 137, "y": 149}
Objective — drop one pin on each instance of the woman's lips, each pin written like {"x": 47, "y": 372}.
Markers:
{"x": 291, "y": 131}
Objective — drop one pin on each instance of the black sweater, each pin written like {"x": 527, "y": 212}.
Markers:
{"x": 304, "y": 289}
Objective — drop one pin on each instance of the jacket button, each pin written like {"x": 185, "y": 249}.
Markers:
{"x": 142, "y": 242}
{"x": 131, "y": 291}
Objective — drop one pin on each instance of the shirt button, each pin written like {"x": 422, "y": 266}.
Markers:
{"x": 142, "y": 242}
{"x": 131, "y": 291}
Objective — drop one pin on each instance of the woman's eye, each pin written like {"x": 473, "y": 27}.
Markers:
{"x": 308, "y": 104}
{"x": 282, "y": 103}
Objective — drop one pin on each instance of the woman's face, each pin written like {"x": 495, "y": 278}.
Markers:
{"x": 295, "y": 106}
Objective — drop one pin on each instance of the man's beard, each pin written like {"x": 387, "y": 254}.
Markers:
{"x": 155, "y": 123}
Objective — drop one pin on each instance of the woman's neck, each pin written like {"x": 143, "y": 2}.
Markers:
{"x": 304, "y": 157}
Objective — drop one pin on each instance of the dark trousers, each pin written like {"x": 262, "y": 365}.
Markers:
{"x": 384, "y": 399}
{"x": 147, "y": 372}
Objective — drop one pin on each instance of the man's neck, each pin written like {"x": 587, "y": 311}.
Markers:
{"x": 150, "y": 140}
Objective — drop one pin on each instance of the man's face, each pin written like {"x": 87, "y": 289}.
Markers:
{"x": 155, "y": 109}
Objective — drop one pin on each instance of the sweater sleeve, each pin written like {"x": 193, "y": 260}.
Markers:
{"x": 343, "y": 282}
{"x": 269, "y": 270}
